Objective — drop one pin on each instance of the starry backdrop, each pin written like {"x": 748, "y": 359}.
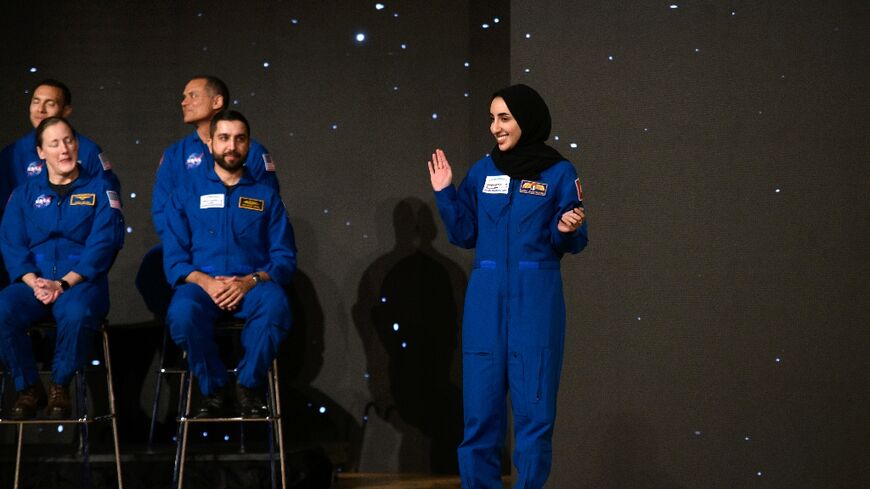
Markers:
{"x": 717, "y": 321}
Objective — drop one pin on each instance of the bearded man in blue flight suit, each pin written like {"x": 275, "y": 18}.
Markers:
{"x": 228, "y": 250}
{"x": 59, "y": 236}
{"x": 521, "y": 208}
{"x": 204, "y": 96}
{"x": 19, "y": 161}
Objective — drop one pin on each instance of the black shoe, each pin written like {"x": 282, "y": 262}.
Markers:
{"x": 251, "y": 402}
{"x": 211, "y": 406}
{"x": 28, "y": 402}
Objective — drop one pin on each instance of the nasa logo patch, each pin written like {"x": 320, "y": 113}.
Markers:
{"x": 193, "y": 160}
{"x": 42, "y": 201}
{"x": 34, "y": 168}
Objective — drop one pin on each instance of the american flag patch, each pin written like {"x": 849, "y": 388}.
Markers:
{"x": 107, "y": 165}
{"x": 268, "y": 163}
{"x": 579, "y": 190}
{"x": 114, "y": 199}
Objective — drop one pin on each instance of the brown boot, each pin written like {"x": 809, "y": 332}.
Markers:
{"x": 59, "y": 405}
{"x": 28, "y": 402}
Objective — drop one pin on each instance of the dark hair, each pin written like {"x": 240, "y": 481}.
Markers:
{"x": 216, "y": 86}
{"x": 228, "y": 115}
{"x": 51, "y": 82}
{"x": 48, "y": 122}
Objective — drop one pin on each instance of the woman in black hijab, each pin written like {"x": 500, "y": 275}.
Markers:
{"x": 521, "y": 208}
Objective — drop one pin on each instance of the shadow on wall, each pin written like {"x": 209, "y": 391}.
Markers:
{"x": 310, "y": 416}
{"x": 408, "y": 319}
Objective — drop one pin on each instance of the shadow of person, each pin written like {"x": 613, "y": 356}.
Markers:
{"x": 309, "y": 416}
{"x": 408, "y": 316}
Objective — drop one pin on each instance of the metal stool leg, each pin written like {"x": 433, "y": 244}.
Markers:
{"x": 81, "y": 413}
{"x": 159, "y": 383}
{"x": 107, "y": 359}
{"x": 181, "y": 432}
{"x": 275, "y": 405}
{"x": 18, "y": 454}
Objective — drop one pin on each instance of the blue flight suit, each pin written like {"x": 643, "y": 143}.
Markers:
{"x": 514, "y": 321}
{"x": 19, "y": 163}
{"x": 223, "y": 232}
{"x": 180, "y": 162}
{"x": 49, "y": 236}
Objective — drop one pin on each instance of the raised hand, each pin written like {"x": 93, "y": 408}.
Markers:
{"x": 439, "y": 171}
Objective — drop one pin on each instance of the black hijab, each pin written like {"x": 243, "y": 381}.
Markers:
{"x": 531, "y": 155}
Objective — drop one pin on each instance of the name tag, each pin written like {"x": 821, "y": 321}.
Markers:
{"x": 533, "y": 188}
{"x": 497, "y": 184}
{"x": 211, "y": 201}
{"x": 82, "y": 199}
{"x": 251, "y": 204}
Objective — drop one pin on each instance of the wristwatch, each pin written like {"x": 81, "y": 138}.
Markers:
{"x": 64, "y": 285}
{"x": 257, "y": 278}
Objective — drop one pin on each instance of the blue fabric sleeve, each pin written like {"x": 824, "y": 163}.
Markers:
{"x": 458, "y": 210}
{"x": 14, "y": 239}
{"x": 105, "y": 239}
{"x": 282, "y": 248}
{"x": 568, "y": 199}
{"x": 161, "y": 193}
{"x": 177, "y": 242}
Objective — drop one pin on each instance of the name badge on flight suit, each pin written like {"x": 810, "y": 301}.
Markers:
{"x": 251, "y": 204}
{"x": 211, "y": 201}
{"x": 497, "y": 184}
{"x": 533, "y": 188}
{"x": 82, "y": 199}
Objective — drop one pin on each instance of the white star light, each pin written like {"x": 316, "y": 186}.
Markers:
{"x": 379, "y": 6}
{"x": 484, "y": 25}
{"x": 60, "y": 428}
{"x": 395, "y": 326}
{"x": 573, "y": 145}
{"x": 673, "y": 6}
{"x": 294, "y": 21}
{"x": 132, "y": 195}
{"x": 265, "y": 64}
{"x": 434, "y": 115}
{"x": 95, "y": 363}
{"x": 528, "y": 35}
{"x": 33, "y": 69}
{"x": 360, "y": 37}
{"x": 322, "y": 410}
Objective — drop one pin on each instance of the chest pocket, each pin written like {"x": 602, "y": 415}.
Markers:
{"x": 71, "y": 222}
{"x": 493, "y": 206}
{"x": 249, "y": 217}
{"x": 535, "y": 211}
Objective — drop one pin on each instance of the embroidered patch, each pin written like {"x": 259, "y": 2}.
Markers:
{"x": 114, "y": 199}
{"x": 193, "y": 160}
{"x": 497, "y": 184}
{"x": 211, "y": 201}
{"x": 251, "y": 204}
{"x": 82, "y": 199}
{"x": 268, "y": 163}
{"x": 34, "y": 168}
{"x": 533, "y": 188}
{"x": 107, "y": 165}
{"x": 42, "y": 201}
{"x": 579, "y": 190}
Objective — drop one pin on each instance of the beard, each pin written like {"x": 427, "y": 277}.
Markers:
{"x": 231, "y": 167}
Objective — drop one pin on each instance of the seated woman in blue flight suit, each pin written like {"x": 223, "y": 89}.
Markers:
{"x": 59, "y": 236}
{"x": 521, "y": 208}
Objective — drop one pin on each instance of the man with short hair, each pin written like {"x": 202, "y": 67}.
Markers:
{"x": 203, "y": 97}
{"x": 228, "y": 251}
{"x": 19, "y": 162}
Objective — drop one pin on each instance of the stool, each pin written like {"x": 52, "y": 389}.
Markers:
{"x": 276, "y": 432}
{"x": 80, "y": 416}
